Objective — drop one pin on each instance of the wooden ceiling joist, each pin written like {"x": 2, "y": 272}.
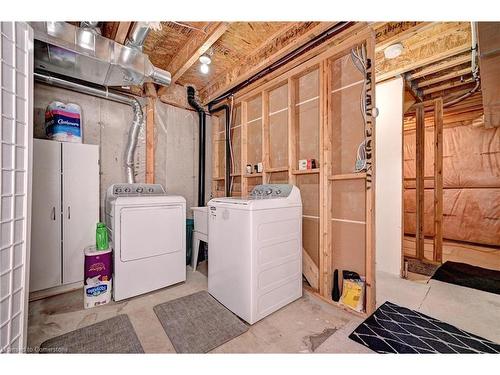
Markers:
{"x": 426, "y": 47}
{"x": 444, "y": 77}
{"x": 122, "y": 32}
{"x": 196, "y": 46}
{"x": 447, "y": 85}
{"x": 290, "y": 39}
{"x": 441, "y": 65}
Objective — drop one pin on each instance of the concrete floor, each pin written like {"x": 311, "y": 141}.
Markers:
{"x": 304, "y": 326}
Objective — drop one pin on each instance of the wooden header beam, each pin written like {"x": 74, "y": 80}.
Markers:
{"x": 396, "y": 32}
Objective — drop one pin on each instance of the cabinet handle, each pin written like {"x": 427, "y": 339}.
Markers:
{"x": 53, "y": 213}
{"x": 69, "y": 212}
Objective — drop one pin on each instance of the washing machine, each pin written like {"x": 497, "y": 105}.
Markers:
{"x": 147, "y": 229}
{"x": 255, "y": 250}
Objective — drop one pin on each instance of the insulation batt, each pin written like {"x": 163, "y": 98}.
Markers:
{"x": 471, "y": 180}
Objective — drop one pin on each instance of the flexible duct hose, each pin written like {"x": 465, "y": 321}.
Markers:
{"x": 102, "y": 92}
{"x": 133, "y": 135}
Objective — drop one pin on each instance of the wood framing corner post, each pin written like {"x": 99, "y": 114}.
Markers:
{"x": 370, "y": 255}
{"x": 150, "y": 141}
{"x": 438, "y": 180}
{"x": 420, "y": 163}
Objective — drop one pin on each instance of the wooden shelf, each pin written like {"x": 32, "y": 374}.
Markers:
{"x": 348, "y": 176}
{"x": 218, "y": 178}
{"x": 235, "y": 174}
{"x": 278, "y": 169}
{"x": 305, "y": 171}
{"x": 252, "y": 175}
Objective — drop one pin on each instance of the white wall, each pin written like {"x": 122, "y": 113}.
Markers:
{"x": 389, "y": 169}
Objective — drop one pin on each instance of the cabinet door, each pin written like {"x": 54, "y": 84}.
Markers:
{"x": 80, "y": 165}
{"x": 45, "y": 271}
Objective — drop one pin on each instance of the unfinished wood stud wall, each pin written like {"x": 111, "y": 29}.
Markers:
{"x": 436, "y": 179}
{"x": 313, "y": 112}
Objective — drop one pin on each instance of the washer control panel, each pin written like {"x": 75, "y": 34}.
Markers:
{"x": 270, "y": 191}
{"x": 137, "y": 189}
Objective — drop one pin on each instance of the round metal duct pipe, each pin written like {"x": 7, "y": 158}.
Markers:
{"x": 104, "y": 93}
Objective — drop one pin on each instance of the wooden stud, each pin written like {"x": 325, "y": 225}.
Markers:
{"x": 420, "y": 163}
{"x": 244, "y": 148}
{"x": 150, "y": 141}
{"x": 370, "y": 185}
{"x": 438, "y": 180}
{"x": 325, "y": 259}
{"x": 293, "y": 139}
{"x": 324, "y": 157}
{"x": 266, "y": 156}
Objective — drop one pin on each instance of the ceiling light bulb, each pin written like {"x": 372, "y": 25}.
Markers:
{"x": 204, "y": 68}
{"x": 204, "y": 59}
{"x": 393, "y": 51}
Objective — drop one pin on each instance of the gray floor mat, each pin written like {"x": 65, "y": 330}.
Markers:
{"x": 197, "y": 323}
{"x": 115, "y": 335}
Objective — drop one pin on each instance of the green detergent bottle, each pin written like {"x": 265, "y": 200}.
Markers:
{"x": 101, "y": 237}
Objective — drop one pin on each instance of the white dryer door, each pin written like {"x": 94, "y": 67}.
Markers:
{"x": 150, "y": 231}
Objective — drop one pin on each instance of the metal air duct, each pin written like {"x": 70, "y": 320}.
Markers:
{"x": 83, "y": 54}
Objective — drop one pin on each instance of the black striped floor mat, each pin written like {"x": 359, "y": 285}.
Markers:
{"x": 395, "y": 329}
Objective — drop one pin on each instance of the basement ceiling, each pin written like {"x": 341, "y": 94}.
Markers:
{"x": 436, "y": 60}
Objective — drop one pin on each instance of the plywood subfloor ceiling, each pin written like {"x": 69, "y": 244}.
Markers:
{"x": 436, "y": 60}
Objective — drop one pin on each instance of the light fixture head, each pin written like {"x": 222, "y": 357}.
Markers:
{"x": 393, "y": 51}
{"x": 205, "y": 59}
{"x": 204, "y": 68}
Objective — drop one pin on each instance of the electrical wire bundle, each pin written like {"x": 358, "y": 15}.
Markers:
{"x": 360, "y": 61}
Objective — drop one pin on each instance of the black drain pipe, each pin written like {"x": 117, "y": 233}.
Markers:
{"x": 201, "y": 144}
{"x": 227, "y": 111}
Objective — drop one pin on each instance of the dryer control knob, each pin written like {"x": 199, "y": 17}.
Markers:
{"x": 139, "y": 190}
{"x": 127, "y": 190}
{"x": 269, "y": 191}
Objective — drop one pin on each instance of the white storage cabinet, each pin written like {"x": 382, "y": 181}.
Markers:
{"x": 65, "y": 211}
